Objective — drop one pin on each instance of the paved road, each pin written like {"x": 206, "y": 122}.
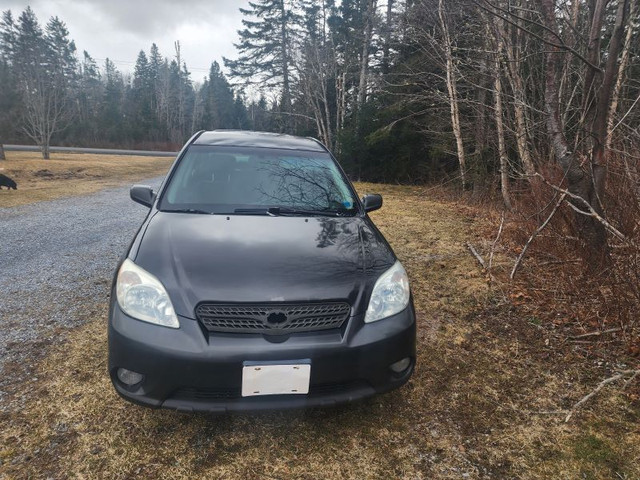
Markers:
{"x": 102, "y": 151}
{"x": 56, "y": 260}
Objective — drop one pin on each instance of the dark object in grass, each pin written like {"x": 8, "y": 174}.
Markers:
{"x": 7, "y": 182}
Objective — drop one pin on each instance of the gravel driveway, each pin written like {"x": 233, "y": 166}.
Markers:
{"x": 57, "y": 259}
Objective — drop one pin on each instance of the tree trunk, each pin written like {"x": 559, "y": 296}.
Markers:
{"x": 364, "y": 61}
{"x": 597, "y": 10}
{"x": 520, "y": 114}
{"x": 343, "y": 100}
{"x": 603, "y": 103}
{"x": 453, "y": 95}
{"x": 2, "y": 156}
{"x": 580, "y": 180}
{"x": 624, "y": 61}
{"x": 286, "y": 84}
{"x": 568, "y": 83}
{"x": 482, "y": 87}
{"x": 502, "y": 150}
{"x": 387, "y": 38}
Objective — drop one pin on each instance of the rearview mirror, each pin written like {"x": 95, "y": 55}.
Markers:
{"x": 142, "y": 194}
{"x": 372, "y": 202}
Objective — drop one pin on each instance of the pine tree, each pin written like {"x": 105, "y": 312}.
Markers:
{"x": 219, "y": 108}
{"x": 46, "y": 70}
{"x": 185, "y": 97}
{"x": 266, "y": 49}
{"x": 89, "y": 97}
{"x": 111, "y": 109}
{"x": 9, "y": 100}
{"x": 62, "y": 53}
{"x": 140, "y": 116}
{"x": 155, "y": 65}
{"x": 241, "y": 117}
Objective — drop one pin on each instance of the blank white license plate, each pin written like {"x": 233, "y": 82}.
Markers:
{"x": 275, "y": 379}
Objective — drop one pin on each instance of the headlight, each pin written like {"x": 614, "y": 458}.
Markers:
{"x": 142, "y": 296}
{"x": 390, "y": 294}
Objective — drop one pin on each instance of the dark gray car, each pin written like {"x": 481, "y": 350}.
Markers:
{"x": 258, "y": 281}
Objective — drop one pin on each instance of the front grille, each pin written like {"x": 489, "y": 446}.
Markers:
{"x": 272, "y": 318}
{"x": 322, "y": 389}
{"x": 206, "y": 393}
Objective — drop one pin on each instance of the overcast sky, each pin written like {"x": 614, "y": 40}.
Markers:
{"x": 119, "y": 29}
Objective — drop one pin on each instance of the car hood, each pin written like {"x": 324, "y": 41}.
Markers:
{"x": 235, "y": 258}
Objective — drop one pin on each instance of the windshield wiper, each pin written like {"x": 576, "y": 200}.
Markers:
{"x": 189, "y": 210}
{"x": 277, "y": 211}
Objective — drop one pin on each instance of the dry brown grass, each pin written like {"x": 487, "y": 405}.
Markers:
{"x": 68, "y": 174}
{"x": 482, "y": 403}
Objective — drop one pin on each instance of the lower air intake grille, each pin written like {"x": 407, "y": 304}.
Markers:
{"x": 213, "y": 393}
{"x": 272, "y": 319}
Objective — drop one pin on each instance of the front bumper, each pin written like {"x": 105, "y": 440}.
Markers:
{"x": 190, "y": 369}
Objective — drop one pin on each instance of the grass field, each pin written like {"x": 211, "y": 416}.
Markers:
{"x": 67, "y": 174}
{"x": 488, "y": 399}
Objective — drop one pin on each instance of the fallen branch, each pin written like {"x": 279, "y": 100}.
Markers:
{"x": 493, "y": 245}
{"x": 534, "y": 234}
{"x": 627, "y": 382}
{"x": 588, "y": 342}
{"x": 477, "y": 255}
{"x": 621, "y": 374}
{"x": 595, "y": 334}
{"x": 590, "y": 213}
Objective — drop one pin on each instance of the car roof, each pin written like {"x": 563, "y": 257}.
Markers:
{"x": 244, "y": 138}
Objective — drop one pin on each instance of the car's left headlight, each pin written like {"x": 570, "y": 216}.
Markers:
{"x": 390, "y": 294}
{"x": 142, "y": 296}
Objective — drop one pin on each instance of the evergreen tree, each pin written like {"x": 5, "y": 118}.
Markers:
{"x": 219, "y": 102}
{"x": 258, "y": 115}
{"x": 9, "y": 100}
{"x": 62, "y": 53}
{"x": 8, "y": 36}
{"x": 155, "y": 65}
{"x": 111, "y": 108}
{"x": 89, "y": 97}
{"x": 141, "y": 115}
{"x": 46, "y": 72}
{"x": 185, "y": 99}
{"x": 266, "y": 49}
{"x": 174, "y": 100}
{"x": 241, "y": 117}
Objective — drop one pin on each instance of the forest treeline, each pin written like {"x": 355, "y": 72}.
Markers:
{"x": 50, "y": 93}
{"x": 506, "y": 95}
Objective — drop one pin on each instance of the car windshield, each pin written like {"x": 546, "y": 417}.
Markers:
{"x": 215, "y": 179}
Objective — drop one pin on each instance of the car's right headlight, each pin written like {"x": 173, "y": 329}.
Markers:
{"x": 390, "y": 294}
{"x": 142, "y": 296}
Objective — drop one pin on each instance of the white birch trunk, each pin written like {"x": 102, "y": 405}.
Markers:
{"x": 502, "y": 150}
{"x": 453, "y": 95}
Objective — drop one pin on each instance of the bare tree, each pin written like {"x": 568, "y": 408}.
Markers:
{"x": 318, "y": 72}
{"x": 585, "y": 171}
{"x": 497, "y": 93}
{"x": 46, "y": 109}
{"x": 514, "y": 54}
{"x": 453, "y": 92}
{"x": 622, "y": 67}
{"x": 47, "y": 69}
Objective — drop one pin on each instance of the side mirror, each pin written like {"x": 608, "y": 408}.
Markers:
{"x": 372, "y": 202}
{"x": 143, "y": 195}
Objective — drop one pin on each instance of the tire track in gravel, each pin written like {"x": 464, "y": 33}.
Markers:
{"x": 57, "y": 259}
